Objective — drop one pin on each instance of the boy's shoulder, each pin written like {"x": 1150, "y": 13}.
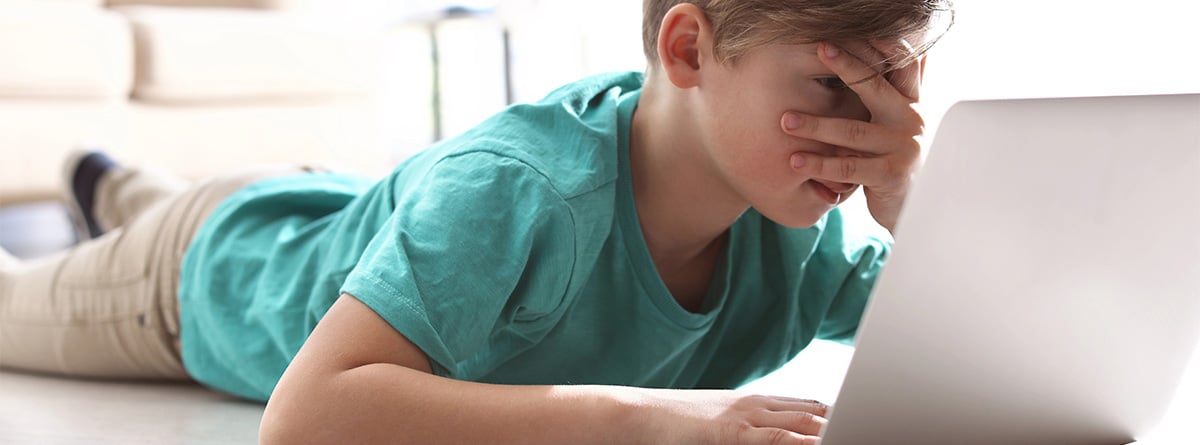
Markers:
{"x": 571, "y": 137}
{"x": 577, "y": 95}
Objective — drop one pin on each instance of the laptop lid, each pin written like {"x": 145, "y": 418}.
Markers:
{"x": 1045, "y": 282}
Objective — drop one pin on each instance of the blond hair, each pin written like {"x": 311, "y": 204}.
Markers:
{"x": 741, "y": 25}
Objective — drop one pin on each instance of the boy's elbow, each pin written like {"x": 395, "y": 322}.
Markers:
{"x": 279, "y": 427}
{"x": 270, "y": 433}
{"x": 288, "y": 419}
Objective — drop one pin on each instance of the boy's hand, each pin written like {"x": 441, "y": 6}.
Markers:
{"x": 888, "y": 148}
{"x": 722, "y": 417}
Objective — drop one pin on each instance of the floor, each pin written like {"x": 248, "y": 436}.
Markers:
{"x": 36, "y": 409}
{"x": 48, "y": 410}
{"x": 34, "y": 229}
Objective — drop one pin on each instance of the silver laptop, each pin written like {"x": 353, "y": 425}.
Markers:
{"x": 1045, "y": 283}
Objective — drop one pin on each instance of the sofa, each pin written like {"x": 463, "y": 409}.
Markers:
{"x": 196, "y": 87}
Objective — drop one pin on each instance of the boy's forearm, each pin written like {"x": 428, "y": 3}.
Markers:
{"x": 382, "y": 403}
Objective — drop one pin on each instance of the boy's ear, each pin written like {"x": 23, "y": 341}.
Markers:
{"x": 684, "y": 44}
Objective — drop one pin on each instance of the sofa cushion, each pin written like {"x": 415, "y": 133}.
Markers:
{"x": 254, "y": 4}
{"x": 189, "y": 55}
{"x": 74, "y": 3}
{"x": 88, "y": 4}
{"x": 58, "y": 51}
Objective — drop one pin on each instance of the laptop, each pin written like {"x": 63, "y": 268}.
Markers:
{"x": 1045, "y": 282}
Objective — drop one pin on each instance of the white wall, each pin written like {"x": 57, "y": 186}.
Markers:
{"x": 997, "y": 49}
{"x": 1061, "y": 48}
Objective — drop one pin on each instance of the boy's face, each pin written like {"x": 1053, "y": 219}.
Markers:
{"x": 744, "y": 103}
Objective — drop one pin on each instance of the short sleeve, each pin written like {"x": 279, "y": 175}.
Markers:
{"x": 479, "y": 243}
{"x": 845, "y": 311}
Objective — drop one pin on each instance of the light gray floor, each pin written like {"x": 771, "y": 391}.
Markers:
{"x": 35, "y": 229}
{"x": 49, "y": 410}
{"x": 36, "y": 409}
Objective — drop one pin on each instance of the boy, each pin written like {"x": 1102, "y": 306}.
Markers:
{"x": 573, "y": 271}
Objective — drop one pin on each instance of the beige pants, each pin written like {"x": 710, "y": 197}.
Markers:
{"x": 109, "y": 307}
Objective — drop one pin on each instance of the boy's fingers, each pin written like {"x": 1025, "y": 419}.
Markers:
{"x": 790, "y": 404}
{"x": 795, "y": 421}
{"x": 874, "y": 89}
{"x": 776, "y": 436}
{"x": 906, "y": 78}
{"x": 870, "y": 172}
{"x": 873, "y": 56}
{"x": 856, "y": 135}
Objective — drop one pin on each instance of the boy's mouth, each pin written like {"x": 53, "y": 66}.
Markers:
{"x": 837, "y": 187}
{"x": 831, "y": 192}
{"x": 826, "y": 194}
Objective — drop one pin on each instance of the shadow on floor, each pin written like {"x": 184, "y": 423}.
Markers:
{"x": 35, "y": 229}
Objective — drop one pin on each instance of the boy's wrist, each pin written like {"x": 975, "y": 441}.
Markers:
{"x": 620, "y": 414}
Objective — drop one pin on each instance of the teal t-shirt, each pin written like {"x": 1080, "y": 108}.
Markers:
{"x": 511, "y": 254}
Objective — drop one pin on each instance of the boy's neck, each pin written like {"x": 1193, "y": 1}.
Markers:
{"x": 683, "y": 204}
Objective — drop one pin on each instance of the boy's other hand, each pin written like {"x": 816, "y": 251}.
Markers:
{"x": 887, "y": 149}
{"x": 729, "y": 418}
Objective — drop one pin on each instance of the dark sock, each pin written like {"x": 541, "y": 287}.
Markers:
{"x": 83, "y": 185}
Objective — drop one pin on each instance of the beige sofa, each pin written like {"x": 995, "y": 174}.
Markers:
{"x": 192, "y": 86}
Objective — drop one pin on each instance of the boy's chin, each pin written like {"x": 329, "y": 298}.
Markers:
{"x": 798, "y": 219}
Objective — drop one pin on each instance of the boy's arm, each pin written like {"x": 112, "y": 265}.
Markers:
{"x": 358, "y": 380}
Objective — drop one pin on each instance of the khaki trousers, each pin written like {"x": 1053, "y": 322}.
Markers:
{"x": 109, "y": 307}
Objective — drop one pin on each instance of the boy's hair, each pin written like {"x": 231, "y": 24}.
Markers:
{"x": 741, "y": 25}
